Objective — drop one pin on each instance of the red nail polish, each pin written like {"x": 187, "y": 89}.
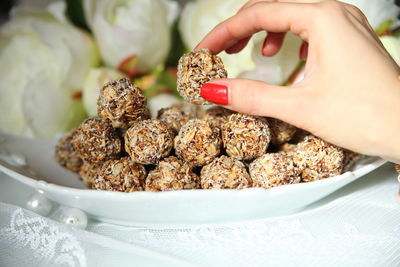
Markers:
{"x": 215, "y": 93}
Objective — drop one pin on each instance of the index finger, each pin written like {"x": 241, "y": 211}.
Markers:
{"x": 273, "y": 17}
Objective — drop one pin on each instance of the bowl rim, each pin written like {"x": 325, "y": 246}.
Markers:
{"x": 42, "y": 185}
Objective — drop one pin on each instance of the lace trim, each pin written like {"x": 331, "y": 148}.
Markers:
{"x": 46, "y": 240}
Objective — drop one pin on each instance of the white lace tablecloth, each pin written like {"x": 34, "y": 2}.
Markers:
{"x": 358, "y": 225}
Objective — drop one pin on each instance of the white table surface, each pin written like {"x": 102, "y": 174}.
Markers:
{"x": 358, "y": 225}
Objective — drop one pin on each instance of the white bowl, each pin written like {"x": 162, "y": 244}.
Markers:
{"x": 31, "y": 162}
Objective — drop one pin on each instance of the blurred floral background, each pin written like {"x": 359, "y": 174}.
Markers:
{"x": 55, "y": 55}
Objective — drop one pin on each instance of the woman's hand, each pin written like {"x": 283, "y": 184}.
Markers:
{"x": 350, "y": 95}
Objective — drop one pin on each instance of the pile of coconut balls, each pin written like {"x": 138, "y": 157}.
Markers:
{"x": 188, "y": 146}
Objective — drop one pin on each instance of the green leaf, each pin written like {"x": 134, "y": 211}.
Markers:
{"x": 76, "y": 14}
{"x": 384, "y": 27}
{"x": 177, "y": 47}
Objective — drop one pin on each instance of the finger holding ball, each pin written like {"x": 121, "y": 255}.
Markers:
{"x": 195, "y": 69}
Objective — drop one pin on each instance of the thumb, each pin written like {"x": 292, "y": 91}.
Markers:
{"x": 257, "y": 98}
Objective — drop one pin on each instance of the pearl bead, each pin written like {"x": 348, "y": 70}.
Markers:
{"x": 74, "y": 217}
{"x": 18, "y": 160}
{"x": 39, "y": 204}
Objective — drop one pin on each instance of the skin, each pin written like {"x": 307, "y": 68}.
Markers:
{"x": 350, "y": 95}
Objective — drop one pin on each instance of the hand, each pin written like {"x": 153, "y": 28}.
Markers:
{"x": 350, "y": 95}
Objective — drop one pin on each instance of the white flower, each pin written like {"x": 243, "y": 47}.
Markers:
{"x": 276, "y": 69}
{"x": 392, "y": 45}
{"x": 43, "y": 62}
{"x": 34, "y": 3}
{"x": 199, "y": 17}
{"x": 96, "y": 78}
{"x": 377, "y": 11}
{"x": 132, "y": 29}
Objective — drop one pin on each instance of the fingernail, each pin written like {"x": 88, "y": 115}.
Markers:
{"x": 303, "y": 51}
{"x": 215, "y": 93}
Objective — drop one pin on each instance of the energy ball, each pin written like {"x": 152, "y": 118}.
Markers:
{"x": 195, "y": 69}
{"x": 66, "y": 155}
{"x": 174, "y": 117}
{"x": 148, "y": 141}
{"x": 96, "y": 140}
{"x": 172, "y": 174}
{"x": 281, "y": 132}
{"x": 245, "y": 137}
{"x": 273, "y": 169}
{"x": 217, "y": 116}
{"x": 122, "y": 103}
{"x": 88, "y": 172}
{"x": 318, "y": 159}
{"x": 225, "y": 173}
{"x": 121, "y": 175}
{"x": 197, "y": 142}
{"x": 288, "y": 149}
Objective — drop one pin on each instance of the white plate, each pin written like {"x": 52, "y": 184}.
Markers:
{"x": 31, "y": 162}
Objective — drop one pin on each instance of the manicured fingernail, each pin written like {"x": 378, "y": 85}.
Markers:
{"x": 303, "y": 51}
{"x": 215, "y": 93}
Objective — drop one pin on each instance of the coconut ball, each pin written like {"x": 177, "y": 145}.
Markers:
{"x": 174, "y": 117}
{"x": 281, "y": 132}
{"x": 172, "y": 174}
{"x": 88, "y": 172}
{"x": 274, "y": 169}
{"x": 121, "y": 175}
{"x": 96, "y": 140}
{"x": 148, "y": 141}
{"x": 122, "y": 102}
{"x": 318, "y": 159}
{"x": 66, "y": 155}
{"x": 245, "y": 137}
{"x": 217, "y": 116}
{"x": 225, "y": 173}
{"x": 197, "y": 142}
{"x": 195, "y": 69}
